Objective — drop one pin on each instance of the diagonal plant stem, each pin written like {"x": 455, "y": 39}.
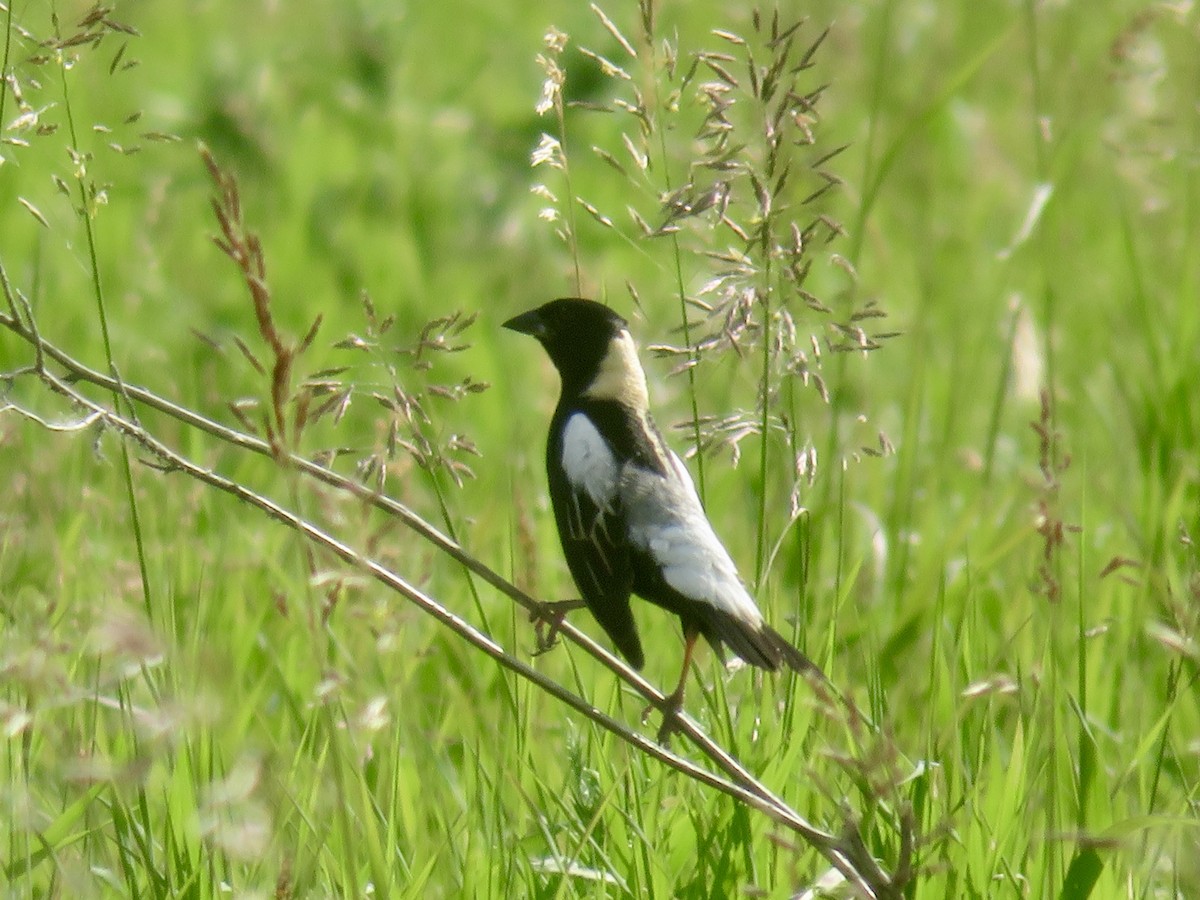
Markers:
{"x": 846, "y": 851}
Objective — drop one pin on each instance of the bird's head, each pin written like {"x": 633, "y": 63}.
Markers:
{"x": 591, "y": 347}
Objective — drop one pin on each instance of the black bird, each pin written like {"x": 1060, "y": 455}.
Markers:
{"x": 627, "y": 512}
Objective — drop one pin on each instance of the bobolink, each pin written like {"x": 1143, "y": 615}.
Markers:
{"x": 628, "y": 514}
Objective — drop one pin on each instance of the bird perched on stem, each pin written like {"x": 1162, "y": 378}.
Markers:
{"x": 628, "y": 514}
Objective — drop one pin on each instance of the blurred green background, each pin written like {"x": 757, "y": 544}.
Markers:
{"x": 1019, "y": 194}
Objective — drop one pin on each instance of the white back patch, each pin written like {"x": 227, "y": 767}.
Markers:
{"x": 621, "y": 377}
{"x": 588, "y": 462}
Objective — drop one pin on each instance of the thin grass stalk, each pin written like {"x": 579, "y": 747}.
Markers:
{"x": 572, "y": 222}
{"x": 1086, "y": 751}
{"x": 102, "y": 315}
{"x": 676, "y": 251}
{"x": 552, "y": 98}
{"x": 1002, "y": 390}
{"x": 4, "y": 63}
{"x": 448, "y": 522}
{"x": 1054, "y": 865}
{"x": 760, "y": 543}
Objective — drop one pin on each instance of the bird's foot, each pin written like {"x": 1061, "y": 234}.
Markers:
{"x": 548, "y": 621}
{"x": 672, "y": 711}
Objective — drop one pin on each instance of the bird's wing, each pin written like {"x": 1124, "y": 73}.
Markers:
{"x": 670, "y": 534}
{"x": 584, "y": 481}
{"x": 668, "y": 522}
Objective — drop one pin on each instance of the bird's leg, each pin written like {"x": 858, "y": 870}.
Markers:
{"x": 673, "y": 703}
{"x": 551, "y": 614}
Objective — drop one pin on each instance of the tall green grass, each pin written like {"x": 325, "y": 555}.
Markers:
{"x": 1014, "y": 607}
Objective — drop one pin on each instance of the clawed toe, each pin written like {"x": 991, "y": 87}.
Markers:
{"x": 546, "y": 635}
{"x": 547, "y": 623}
{"x": 672, "y": 710}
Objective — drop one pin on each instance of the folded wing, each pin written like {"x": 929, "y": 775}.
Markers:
{"x": 684, "y": 563}
{"x": 584, "y": 477}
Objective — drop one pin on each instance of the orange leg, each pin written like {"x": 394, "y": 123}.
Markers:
{"x": 673, "y": 703}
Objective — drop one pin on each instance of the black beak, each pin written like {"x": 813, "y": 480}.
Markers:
{"x": 530, "y": 323}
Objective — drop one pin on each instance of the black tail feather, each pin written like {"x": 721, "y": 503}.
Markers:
{"x": 616, "y": 619}
{"x": 789, "y": 655}
{"x": 760, "y": 646}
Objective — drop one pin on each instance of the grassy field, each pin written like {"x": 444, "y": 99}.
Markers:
{"x": 978, "y": 513}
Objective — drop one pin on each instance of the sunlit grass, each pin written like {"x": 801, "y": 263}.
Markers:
{"x": 250, "y": 730}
